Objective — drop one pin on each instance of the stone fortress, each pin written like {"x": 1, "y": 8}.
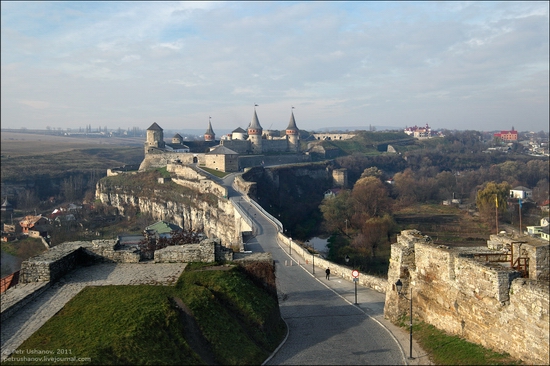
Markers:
{"x": 495, "y": 295}
{"x": 235, "y": 151}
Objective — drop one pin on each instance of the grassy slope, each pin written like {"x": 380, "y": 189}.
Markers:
{"x": 141, "y": 324}
{"x": 444, "y": 349}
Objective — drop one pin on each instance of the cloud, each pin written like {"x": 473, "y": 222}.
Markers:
{"x": 393, "y": 63}
{"x": 35, "y": 104}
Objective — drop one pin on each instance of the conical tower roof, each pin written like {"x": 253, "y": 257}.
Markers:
{"x": 292, "y": 123}
{"x": 209, "y": 130}
{"x": 255, "y": 123}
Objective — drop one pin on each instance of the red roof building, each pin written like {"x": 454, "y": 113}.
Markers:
{"x": 511, "y": 135}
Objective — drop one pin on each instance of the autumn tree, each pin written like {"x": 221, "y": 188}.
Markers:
{"x": 492, "y": 198}
{"x": 337, "y": 212}
{"x": 404, "y": 187}
{"x": 370, "y": 198}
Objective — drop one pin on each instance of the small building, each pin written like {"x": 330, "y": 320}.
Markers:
{"x": 223, "y": 159}
{"x": 331, "y": 193}
{"x": 32, "y": 223}
{"x": 161, "y": 229}
{"x": 521, "y": 192}
{"x": 6, "y": 206}
{"x": 508, "y": 136}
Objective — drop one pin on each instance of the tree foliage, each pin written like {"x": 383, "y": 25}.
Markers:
{"x": 492, "y": 198}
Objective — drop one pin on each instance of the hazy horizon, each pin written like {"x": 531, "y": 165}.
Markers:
{"x": 453, "y": 65}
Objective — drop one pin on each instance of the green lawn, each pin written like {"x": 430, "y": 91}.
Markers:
{"x": 444, "y": 349}
{"x": 237, "y": 320}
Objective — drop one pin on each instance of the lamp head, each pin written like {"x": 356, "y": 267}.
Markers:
{"x": 398, "y": 285}
{"x": 347, "y": 258}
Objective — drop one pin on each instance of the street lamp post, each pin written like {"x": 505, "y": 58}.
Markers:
{"x": 398, "y": 287}
{"x": 290, "y": 246}
{"x": 312, "y": 255}
{"x": 355, "y": 275}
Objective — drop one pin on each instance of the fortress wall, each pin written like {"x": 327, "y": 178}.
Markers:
{"x": 483, "y": 302}
{"x": 186, "y": 172}
{"x": 162, "y": 159}
{"x": 333, "y": 136}
{"x": 203, "y": 186}
{"x": 195, "y": 179}
{"x": 239, "y": 146}
{"x": 275, "y": 145}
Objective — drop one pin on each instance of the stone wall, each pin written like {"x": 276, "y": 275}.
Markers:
{"x": 483, "y": 302}
{"x": 164, "y": 158}
{"x": 192, "y": 178}
{"x": 52, "y": 264}
{"x": 333, "y": 136}
{"x": 201, "y": 252}
{"x": 61, "y": 259}
{"x": 111, "y": 251}
{"x": 376, "y": 283}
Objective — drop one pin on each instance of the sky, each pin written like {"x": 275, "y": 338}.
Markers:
{"x": 453, "y": 65}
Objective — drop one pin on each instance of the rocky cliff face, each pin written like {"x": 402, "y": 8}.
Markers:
{"x": 216, "y": 217}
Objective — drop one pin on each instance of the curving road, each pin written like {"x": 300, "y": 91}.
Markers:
{"x": 324, "y": 328}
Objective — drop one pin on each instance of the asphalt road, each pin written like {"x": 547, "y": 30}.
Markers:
{"x": 324, "y": 328}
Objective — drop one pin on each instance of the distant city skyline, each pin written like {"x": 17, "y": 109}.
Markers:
{"x": 454, "y": 65}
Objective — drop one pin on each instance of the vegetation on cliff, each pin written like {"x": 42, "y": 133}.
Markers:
{"x": 145, "y": 184}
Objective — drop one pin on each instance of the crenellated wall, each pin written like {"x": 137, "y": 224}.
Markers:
{"x": 486, "y": 303}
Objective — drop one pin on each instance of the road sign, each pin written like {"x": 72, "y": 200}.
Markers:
{"x": 355, "y": 273}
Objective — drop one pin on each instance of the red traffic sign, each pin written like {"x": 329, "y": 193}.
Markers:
{"x": 355, "y": 273}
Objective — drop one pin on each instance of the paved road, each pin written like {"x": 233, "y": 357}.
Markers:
{"x": 324, "y": 328}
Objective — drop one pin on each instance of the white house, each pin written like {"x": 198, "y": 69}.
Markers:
{"x": 521, "y": 192}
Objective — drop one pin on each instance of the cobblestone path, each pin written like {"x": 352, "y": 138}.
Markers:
{"x": 26, "y": 321}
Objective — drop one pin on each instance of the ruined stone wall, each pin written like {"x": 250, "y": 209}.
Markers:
{"x": 188, "y": 177}
{"x": 110, "y": 251}
{"x": 163, "y": 159}
{"x": 483, "y": 302}
{"x": 535, "y": 249}
{"x": 52, "y": 264}
{"x": 201, "y": 252}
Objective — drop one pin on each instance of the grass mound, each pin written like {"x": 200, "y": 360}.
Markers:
{"x": 237, "y": 320}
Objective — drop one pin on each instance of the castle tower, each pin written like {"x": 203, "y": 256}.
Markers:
{"x": 293, "y": 134}
{"x": 155, "y": 138}
{"x": 255, "y": 134}
{"x": 177, "y": 139}
{"x": 209, "y": 135}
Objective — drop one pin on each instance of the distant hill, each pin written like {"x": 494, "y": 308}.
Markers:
{"x": 359, "y": 128}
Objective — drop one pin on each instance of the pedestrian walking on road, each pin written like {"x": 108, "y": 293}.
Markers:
{"x": 327, "y": 271}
